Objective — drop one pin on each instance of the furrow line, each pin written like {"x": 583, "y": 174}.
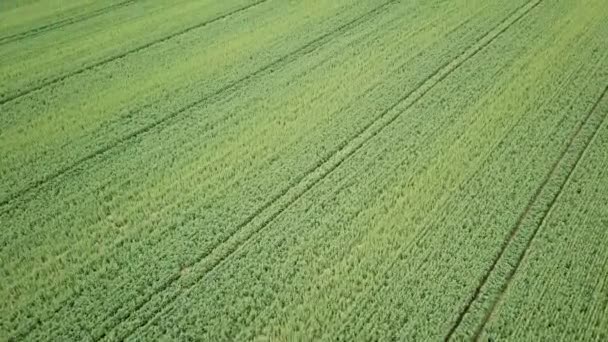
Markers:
{"x": 236, "y": 244}
{"x": 452, "y": 330}
{"x": 294, "y": 55}
{"x": 122, "y": 55}
{"x": 216, "y": 124}
{"x": 516, "y": 228}
{"x": 251, "y": 218}
{"x": 420, "y": 236}
{"x": 549, "y": 208}
{"x": 285, "y": 59}
{"x": 467, "y": 307}
{"x": 342, "y": 153}
{"x": 62, "y": 23}
{"x": 511, "y": 19}
{"x": 300, "y": 180}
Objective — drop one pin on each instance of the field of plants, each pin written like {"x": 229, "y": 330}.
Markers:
{"x": 327, "y": 170}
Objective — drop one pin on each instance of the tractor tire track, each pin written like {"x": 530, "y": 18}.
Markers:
{"x": 285, "y": 59}
{"x": 292, "y": 184}
{"x": 462, "y": 314}
{"x": 223, "y": 120}
{"x": 62, "y": 23}
{"x": 420, "y": 236}
{"x": 292, "y": 56}
{"x": 331, "y": 162}
{"x": 519, "y": 223}
{"x": 5, "y": 98}
{"x": 549, "y": 208}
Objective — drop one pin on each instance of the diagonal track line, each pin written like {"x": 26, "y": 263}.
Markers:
{"x": 307, "y": 48}
{"x": 421, "y": 235}
{"x": 545, "y": 213}
{"x": 330, "y": 163}
{"x": 215, "y": 124}
{"x": 290, "y": 57}
{"x": 516, "y": 228}
{"x": 24, "y": 92}
{"x": 62, "y": 23}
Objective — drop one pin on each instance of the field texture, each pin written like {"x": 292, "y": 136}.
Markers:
{"x": 327, "y": 170}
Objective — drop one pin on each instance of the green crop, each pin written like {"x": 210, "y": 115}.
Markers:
{"x": 303, "y": 170}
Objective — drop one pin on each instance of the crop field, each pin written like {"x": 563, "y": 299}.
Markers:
{"x": 323, "y": 170}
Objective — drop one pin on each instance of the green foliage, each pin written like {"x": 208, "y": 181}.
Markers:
{"x": 318, "y": 170}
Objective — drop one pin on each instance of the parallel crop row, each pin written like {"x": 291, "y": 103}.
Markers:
{"x": 515, "y": 244}
{"x": 135, "y": 95}
{"x": 328, "y": 170}
{"x": 80, "y": 15}
{"x": 118, "y": 98}
{"x": 349, "y": 148}
{"x": 162, "y": 175}
{"x": 36, "y": 63}
{"x": 307, "y": 265}
{"x": 560, "y": 290}
{"x": 289, "y": 289}
{"x": 110, "y": 200}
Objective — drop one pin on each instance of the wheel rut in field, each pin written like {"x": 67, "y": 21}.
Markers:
{"x": 550, "y": 206}
{"x": 561, "y": 164}
{"x": 90, "y": 264}
{"x": 63, "y": 23}
{"x": 283, "y": 60}
{"x": 420, "y": 236}
{"x": 11, "y": 97}
{"x": 324, "y": 167}
{"x": 286, "y": 59}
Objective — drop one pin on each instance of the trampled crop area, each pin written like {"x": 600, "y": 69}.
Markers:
{"x": 327, "y": 170}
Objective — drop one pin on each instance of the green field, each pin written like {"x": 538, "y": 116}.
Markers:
{"x": 324, "y": 170}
